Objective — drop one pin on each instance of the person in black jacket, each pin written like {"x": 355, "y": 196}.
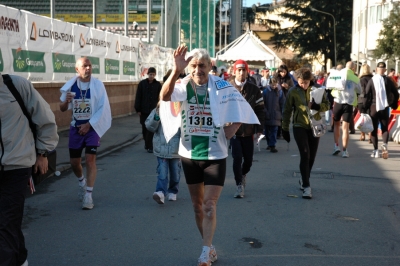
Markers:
{"x": 242, "y": 143}
{"x": 146, "y": 100}
{"x": 365, "y": 76}
{"x": 380, "y": 94}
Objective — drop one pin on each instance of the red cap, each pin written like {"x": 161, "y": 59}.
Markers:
{"x": 240, "y": 63}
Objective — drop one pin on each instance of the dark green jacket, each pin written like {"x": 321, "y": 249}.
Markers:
{"x": 296, "y": 104}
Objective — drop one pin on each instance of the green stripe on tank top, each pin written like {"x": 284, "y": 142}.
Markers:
{"x": 200, "y": 144}
{"x": 200, "y": 147}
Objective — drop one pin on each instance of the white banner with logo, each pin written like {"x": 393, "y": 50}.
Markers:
{"x": 41, "y": 49}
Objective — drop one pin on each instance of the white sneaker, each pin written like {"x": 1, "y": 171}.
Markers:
{"x": 158, "y": 197}
{"x": 345, "y": 154}
{"x": 82, "y": 192}
{"x": 301, "y": 184}
{"x": 171, "y": 197}
{"x": 25, "y": 263}
{"x": 336, "y": 150}
{"x": 375, "y": 154}
{"x": 239, "y": 192}
{"x": 307, "y": 193}
{"x": 385, "y": 153}
{"x": 87, "y": 203}
{"x": 213, "y": 254}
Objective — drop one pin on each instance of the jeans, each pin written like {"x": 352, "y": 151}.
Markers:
{"x": 308, "y": 146}
{"x": 328, "y": 117}
{"x": 242, "y": 150}
{"x": 174, "y": 167}
{"x": 270, "y": 135}
{"x": 13, "y": 186}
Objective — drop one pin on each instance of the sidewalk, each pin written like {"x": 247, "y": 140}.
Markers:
{"x": 124, "y": 131}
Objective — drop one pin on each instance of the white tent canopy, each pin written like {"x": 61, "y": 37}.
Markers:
{"x": 248, "y": 47}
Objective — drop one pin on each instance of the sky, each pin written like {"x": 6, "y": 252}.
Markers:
{"x": 249, "y": 3}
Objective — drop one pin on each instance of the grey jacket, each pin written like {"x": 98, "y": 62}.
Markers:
{"x": 17, "y": 147}
{"x": 161, "y": 148}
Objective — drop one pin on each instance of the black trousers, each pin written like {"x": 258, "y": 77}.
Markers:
{"x": 308, "y": 146}
{"x": 13, "y": 186}
{"x": 383, "y": 118}
{"x": 242, "y": 151}
{"x": 147, "y": 135}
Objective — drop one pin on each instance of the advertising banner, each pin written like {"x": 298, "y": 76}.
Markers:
{"x": 111, "y": 67}
{"x": 43, "y": 49}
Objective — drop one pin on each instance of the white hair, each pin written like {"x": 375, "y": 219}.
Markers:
{"x": 200, "y": 53}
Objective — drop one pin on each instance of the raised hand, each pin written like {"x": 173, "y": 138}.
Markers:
{"x": 179, "y": 58}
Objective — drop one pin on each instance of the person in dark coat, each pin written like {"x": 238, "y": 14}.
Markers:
{"x": 146, "y": 100}
{"x": 365, "y": 76}
{"x": 273, "y": 104}
{"x": 242, "y": 143}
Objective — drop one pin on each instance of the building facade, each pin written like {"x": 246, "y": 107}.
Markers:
{"x": 367, "y": 23}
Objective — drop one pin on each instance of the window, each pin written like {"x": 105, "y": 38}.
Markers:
{"x": 372, "y": 15}
{"x": 385, "y": 11}
{"x": 379, "y": 13}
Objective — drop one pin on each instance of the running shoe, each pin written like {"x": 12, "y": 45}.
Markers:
{"x": 239, "y": 192}
{"x": 345, "y": 154}
{"x": 336, "y": 150}
{"x": 301, "y": 184}
{"x": 375, "y": 154}
{"x": 385, "y": 153}
{"x": 87, "y": 203}
{"x": 213, "y": 254}
{"x": 204, "y": 261}
{"x": 82, "y": 191}
{"x": 172, "y": 197}
{"x": 158, "y": 197}
{"x": 307, "y": 193}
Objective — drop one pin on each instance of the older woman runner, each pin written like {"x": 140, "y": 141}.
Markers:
{"x": 208, "y": 103}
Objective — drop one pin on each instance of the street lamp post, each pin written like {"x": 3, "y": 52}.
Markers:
{"x": 334, "y": 28}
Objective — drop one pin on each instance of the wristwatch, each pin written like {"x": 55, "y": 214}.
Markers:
{"x": 42, "y": 153}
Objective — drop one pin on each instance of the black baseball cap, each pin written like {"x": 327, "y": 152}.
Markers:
{"x": 381, "y": 65}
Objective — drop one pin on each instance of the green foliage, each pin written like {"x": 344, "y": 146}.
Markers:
{"x": 313, "y": 32}
{"x": 388, "y": 45}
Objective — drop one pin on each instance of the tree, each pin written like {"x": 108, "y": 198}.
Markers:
{"x": 388, "y": 45}
{"x": 313, "y": 32}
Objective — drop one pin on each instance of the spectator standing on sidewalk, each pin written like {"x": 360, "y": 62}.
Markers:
{"x": 146, "y": 100}
{"x": 19, "y": 151}
{"x": 212, "y": 110}
{"x": 298, "y": 103}
{"x": 91, "y": 118}
{"x": 242, "y": 143}
{"x": 273, "y": 106}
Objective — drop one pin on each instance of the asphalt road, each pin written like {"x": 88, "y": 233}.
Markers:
{"x": 353, "y": 218}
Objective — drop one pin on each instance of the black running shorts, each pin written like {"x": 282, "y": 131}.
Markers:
{"x": 211, "y": 172}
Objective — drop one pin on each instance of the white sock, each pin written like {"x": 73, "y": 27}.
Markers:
{"x": 82, "y": 181}
{"x": 89, "y": 191}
